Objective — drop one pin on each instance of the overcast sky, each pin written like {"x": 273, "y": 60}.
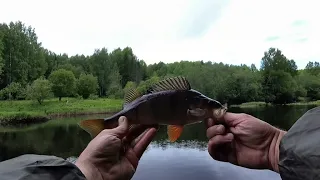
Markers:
{"x": 228, "y": 31}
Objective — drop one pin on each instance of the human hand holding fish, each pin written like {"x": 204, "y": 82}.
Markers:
{"x": 115, "y": 153}
{"x": 244, "y": 140}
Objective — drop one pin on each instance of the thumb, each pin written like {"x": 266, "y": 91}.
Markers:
{"x": 122, "y": 128}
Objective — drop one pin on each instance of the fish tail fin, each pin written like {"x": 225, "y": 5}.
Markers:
{"x": 92, "y": 126}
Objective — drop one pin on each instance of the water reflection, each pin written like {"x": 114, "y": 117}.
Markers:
{"x": 185, "y": 159}
{"x": 174, "y": 162}
{"x": 56, "y": 140}
{"x": 280, "y": 116}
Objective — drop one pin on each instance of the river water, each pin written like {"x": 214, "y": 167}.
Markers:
{"x": 185, "y": 159}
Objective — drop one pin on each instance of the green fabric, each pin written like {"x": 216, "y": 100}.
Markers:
{"x": 36, "y": 167}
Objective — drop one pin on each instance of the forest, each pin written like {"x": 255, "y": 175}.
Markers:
{"x": 30, "y": 71}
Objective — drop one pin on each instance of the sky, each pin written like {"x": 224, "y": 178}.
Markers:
{"x": 229, "y": 31}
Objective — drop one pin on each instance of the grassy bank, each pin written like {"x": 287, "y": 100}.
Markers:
{"x": 21, "y": 110}
{"x": 257, "y": 104}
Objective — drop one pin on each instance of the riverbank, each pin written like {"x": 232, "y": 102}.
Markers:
{"x": 13, "y": 112}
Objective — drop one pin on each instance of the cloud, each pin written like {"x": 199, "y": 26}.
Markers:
{"x": 199, "y": 16}
{"x": 233, "y": 32}
{"x": 299, "y": 23}
{"x": 272, "y": 38}
{"x": 301, "y": 40}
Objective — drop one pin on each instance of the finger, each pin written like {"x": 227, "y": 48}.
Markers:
{"x": 137, "y": 139}
{"x": 215, "y": 130}
{"x": 220, "y": 139}
{"x": 145, "y": 140}
{"x": 121, "y": 130}
{"x": 133, "y": 155}
{"x": 231, "y": 119}
{"x": 132, "y": 158}
{"x": 137, "y": 130}
{"x": 217, "y": 141}
{"x": 146, "y": 129}
{"x": 209, "y": 122}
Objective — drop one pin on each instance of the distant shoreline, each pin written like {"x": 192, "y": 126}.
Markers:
{"x": 262, "y": 104}
{"x": 24, "y": 112}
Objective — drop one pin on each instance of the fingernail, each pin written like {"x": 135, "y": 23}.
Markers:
{"x": 230, "y": 136}
{"x": 122, "y": 119}
{"x": 220, "y": 128}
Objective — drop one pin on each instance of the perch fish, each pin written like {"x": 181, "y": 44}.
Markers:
{"x": 171, "y": 102}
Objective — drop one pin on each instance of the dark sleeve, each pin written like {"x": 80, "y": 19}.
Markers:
{"x": 39, "y": 167}
{"x": 299, "y": 156}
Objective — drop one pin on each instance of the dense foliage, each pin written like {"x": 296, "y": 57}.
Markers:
{"x": 109, "y": 74}
{"x": 39, "y": 90}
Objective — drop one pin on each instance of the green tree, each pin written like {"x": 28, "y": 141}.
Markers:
{"x": 274, "y": 60}
{"x": 39, "y": 90}
{"x": 63, "y": 83}
{"x": 24, "y": 59}
{"x": 158, "y": 69}
{"x": 81, "y": 62}
{"x": 114, "y": 87}
{"x": 12, "y": 91}
{"x": 144, "y": 86}
{"x": 1, "y": 54}
{"x": 76, "y": 70}
{"x": 311, "y": 84}
{"x": 100, "y": 66}
{"x": 278, "y": 84}
{"x": 313, "y": 68}
{"x": 130, "y": 67}
{"x": 242, "y": 86}
{"x": 283, "y": 88}
{"x": 87, "y": 85}
{"x": 129, "y": 85}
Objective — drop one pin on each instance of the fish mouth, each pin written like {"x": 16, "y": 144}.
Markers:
{"x": 219, "y": 113}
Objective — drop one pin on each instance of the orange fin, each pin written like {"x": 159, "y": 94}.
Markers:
{"x": 174, "y": 132}
{"x": 92, "y": 126}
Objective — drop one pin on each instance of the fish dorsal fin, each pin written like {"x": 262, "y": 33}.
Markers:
{"x": 131, "y": 95}
{"x": 174, "y": 83}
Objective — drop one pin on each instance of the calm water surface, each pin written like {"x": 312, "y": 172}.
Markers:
{"x": 185, "y": 159}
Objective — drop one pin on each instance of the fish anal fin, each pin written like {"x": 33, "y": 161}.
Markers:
{"x": 131, "y": 95}
{"x": 174, "y": 83}
{"x": 174, "y": 132}
{"x": 92, "y": 126}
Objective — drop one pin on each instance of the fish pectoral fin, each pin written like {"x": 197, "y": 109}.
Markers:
{"x": 92, "y": 126}
{"x": 196, "y": 112}
{"x": 174, "y": 132}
